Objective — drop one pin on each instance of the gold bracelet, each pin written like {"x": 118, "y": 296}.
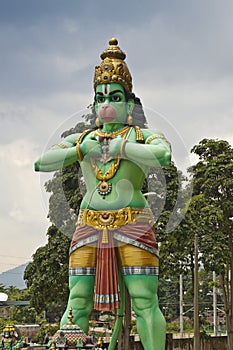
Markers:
{"x": 122, "y": 149}
{"x": 78, "y": 150}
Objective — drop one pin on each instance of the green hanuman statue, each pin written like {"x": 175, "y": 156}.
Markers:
{"x": 114, "y": 243}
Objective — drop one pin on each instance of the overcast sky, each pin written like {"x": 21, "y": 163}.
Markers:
{"x": 180, "y": 55}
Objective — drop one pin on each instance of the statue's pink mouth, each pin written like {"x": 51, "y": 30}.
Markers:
{"x": 107, "y": 113}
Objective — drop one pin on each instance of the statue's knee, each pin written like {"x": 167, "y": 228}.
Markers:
{"x": 81, "y": 299}
{"x": 141, "y": 304}
{"x": 81, "y": 305}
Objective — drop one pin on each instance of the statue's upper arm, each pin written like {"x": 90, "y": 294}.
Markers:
{"x": 68, "y": 141}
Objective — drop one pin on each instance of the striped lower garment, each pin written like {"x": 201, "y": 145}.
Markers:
{"x": 132, "y": 247}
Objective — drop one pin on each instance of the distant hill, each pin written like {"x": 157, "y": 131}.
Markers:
{"x": 14, "y": 277}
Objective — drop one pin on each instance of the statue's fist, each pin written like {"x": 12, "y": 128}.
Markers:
{"x": 115, "y": 146}
{"x": 90, "y": 147}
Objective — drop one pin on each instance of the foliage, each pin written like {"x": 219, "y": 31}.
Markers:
{"x": 4, "y": 322}
{"x": 16, "y": 314}
{"x": 170, "y": 226}
{"x": 163, "y": 184}
{"x": 213, "y": 181}
{"x": 46, "y": 276}
{"x": 208, "y": 214}
{"x": 169, "y": 297}
{"x": 174, "y": 327}
{"x": 65, "y": 199}
{"x": 46, "y": 328}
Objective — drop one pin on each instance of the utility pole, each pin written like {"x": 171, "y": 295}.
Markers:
{"x": 123, "y": 340}
{"x": 181, "y": 307}
{"x": 195, "y": 302}
{"x": 215, "y": 305}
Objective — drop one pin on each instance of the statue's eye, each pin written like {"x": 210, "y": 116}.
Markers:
{"x": 100, "y": 99}
{"x": 116, "y": 98}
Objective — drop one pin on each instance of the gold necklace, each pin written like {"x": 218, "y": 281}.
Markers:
{"x": 105, "y": 187}
{"x": 123, "y": 132}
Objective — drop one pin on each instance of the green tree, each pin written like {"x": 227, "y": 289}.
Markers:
{"x": 209, "y": 214}
{"x": 46, "y": 276}
{"x": 17, "y": 313}
{"x": 175, "y": 232}
{"x": 213, "y": 182}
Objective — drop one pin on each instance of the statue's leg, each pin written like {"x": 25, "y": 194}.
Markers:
{"x": 81, "y": 301}
{"x": 81, "y": 284}
{"x": 151, "y": 324}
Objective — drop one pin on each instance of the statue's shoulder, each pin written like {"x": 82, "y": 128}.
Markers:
{"x": 151, "y": 132}
{"x": 72, "y": 138}
{"x": 154, "y": 136}
{"x": 78, "y": 137}
{"x": 143, "y": 134}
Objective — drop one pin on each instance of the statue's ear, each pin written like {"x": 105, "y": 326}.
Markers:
{"x": 130, "y": 106}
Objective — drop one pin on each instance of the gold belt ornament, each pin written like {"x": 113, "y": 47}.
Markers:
{"x": 112, "y": 219}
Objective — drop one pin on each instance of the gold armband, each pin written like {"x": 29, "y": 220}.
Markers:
{"x": 122, "y": 149}
{"x": 78, "y": 150}
{"x": 153, "y": 137}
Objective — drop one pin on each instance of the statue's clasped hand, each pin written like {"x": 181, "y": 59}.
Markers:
{"x": 90, "y": 147}
{"x": 116, "y": 147}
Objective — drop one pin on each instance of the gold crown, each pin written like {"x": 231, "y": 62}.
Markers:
{"x": 113, "y": 69}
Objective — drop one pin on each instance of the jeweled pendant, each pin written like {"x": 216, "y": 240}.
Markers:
{"x": 104, "y": 188}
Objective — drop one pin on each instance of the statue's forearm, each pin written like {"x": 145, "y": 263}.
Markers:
{"x": 150, "y": 155}
{"x": 56, "y": 159}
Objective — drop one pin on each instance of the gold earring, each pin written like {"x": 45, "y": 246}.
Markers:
{"x": 97, "y": 122}
{"x": 129, "y": 120}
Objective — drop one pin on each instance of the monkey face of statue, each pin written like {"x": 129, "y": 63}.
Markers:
{"x": 111, "y": 105}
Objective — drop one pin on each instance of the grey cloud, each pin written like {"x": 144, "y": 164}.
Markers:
{"x": 170, "y": 41}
